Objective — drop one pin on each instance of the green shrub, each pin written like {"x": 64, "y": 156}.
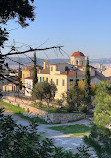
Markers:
{"x": 17, "y": 141}
{"x": 82, "y": 108}
{"x": 40, "y": 104}
{"x": 59, "y": 102}
{"x": 69, "y": 107}
{"x": 58, "y": 110}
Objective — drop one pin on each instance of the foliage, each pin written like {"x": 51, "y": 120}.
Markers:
{"x": 11, "y": 9}
{"x": 49, "y": 109}
{"x": 87, "y": 85}
{"x": 76, "y": 99}
{"x": 100, "y": 141}
{"x": 59, "y": 102}
{"x": 73, "y": 98}
{"x": 19, "y": 77}
{"x": 21, "y": 141}
{"x": 3, "y": 36}
{"x": 102, "y": 104}
{"x": 21, "y": 112}
{"x": 44, "y": 90}
{"x": 17, "y": 141}
{"x": 35, "y": 71}
{"x": 69, "y": 107}
{"x": 81, "y": 85}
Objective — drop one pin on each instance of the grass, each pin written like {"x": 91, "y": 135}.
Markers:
{"x": 79, "y": 134}
{"x": 19, "y": 111}
{"x": 75, "y": 130}
{"x": 15, "y": 109}
{"x": 50, "y": 109}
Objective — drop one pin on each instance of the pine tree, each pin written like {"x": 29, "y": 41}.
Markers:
{"x": 87, "y": 85}
{"x": 35, "y": 71}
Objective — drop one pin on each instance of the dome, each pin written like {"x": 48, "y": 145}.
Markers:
{"x": 77, "y": 54}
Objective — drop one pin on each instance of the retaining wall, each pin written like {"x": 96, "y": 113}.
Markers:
{"x": 49, "y": 117}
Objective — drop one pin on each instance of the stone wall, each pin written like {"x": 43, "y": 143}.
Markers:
{"x": 27, "y": 101}
{"x": 48, "y": 117}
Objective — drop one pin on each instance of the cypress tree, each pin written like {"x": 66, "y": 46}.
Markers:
{"x": 35, "y": 70}
{"x": 19, "y": 79}
{"x": 19, "y": 76}
{"x": 87, "y": 85}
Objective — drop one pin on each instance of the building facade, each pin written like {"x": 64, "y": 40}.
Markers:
{"x": 62, "y": 74}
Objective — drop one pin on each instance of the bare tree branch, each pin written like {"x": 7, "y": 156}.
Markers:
{"x": 32, "y": 50}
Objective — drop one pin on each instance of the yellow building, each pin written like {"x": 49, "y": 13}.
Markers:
{"x": 28, "y": 71}
{"x": 11, "y": 87}
{"x": 62, "y": 74}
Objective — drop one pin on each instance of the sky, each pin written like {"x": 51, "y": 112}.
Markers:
{"x": 78, "y": 25}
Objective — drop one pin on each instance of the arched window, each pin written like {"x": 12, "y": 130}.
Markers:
{"x": 66, "y": 68}
{"x": 77, "y": 62}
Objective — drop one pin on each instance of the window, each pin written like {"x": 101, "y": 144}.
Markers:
{"x": 51, "y": 80}
{"x": 47, "y": 79}
{"x": 43, "y": 79}
{"x": 23, "y": 76}
{"x": 27, "y": 84}
{"x": 66, "y": 68}
{"x": 40, "y": 79}
{"x": 51, "y": 68}
{"x": 82, "y": 63}
{"x": 71, "y": 80}
{"x": 27, "y": 75}
{"x": 56, "y": 81}
{"x": 77, "y": 62}
{"x": 63, "y": 82}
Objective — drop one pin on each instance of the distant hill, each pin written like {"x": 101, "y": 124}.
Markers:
{"x": 40, "y": 61}
{"x": 27, "y": 61}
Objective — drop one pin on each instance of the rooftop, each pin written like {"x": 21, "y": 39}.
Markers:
{"x": 45, "y": 71}
{"x": 72, "y": 73}
{"x": 30, "y": 68}
{"x": 30, "y": 78}
{"x": 59, "y": 64}
{"x": 77, "y": 54}
{"x": 85, "y": 66}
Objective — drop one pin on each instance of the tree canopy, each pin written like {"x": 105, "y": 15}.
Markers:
{"x": 44, "y": 90}
{"x": 102, "y": 104}
{"x": 20, "y": 9}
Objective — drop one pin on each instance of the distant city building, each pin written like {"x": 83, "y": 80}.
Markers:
{"x": 107, "y": 73}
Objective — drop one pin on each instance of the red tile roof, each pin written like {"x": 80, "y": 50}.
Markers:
{"x": 77, "y": 54}
{"x": 85, "y": 66}
{"x": 30, "y": 78}
{"x": 31, "y": 67}
{"x": 72, "y": 73}
{"x": 58, "y": 63}
{"x": 45, "y": 71}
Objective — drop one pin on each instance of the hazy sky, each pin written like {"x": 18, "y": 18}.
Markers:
{"x": 83, "y": 25}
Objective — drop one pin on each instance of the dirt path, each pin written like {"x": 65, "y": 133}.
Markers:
{"x": 60, "y": 139}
